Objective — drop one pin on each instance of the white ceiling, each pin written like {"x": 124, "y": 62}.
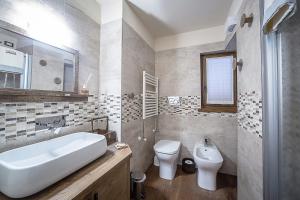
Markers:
{"x": 170, "y": 17}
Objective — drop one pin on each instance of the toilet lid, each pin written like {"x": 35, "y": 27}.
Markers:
{"x": 167, "y": 146}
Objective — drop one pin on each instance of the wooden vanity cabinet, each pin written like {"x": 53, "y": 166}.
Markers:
{"x": 114, "y": 185}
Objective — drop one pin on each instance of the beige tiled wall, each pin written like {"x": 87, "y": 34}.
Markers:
{"x": 178, "y": 71}
{"x": 137, "y": 56}
{"x": 250, "y": 171}
{"x": 110, "y": 73}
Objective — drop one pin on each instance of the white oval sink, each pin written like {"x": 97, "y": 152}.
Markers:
{"x": 29, "y": 169}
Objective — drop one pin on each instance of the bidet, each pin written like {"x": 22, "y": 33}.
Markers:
{"x": 208, "y": 160}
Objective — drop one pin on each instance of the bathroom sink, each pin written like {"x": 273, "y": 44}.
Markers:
{"x": 28, "y": 170}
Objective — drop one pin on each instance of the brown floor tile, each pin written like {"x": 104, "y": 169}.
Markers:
{"x": 184, "y": 186}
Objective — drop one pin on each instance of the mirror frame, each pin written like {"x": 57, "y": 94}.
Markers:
{"x": 28, "y": 95}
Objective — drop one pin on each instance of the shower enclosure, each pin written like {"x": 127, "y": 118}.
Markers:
{"x": 281, "y": 85}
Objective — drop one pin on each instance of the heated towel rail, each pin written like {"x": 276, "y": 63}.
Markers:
{"x": 150, "y": 95}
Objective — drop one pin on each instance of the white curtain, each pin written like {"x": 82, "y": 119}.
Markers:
{"x": 276, "y": 11}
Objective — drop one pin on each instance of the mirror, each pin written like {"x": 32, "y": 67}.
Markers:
{"x": 28, "y": 64}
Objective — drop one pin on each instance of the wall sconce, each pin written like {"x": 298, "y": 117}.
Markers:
{"x": 247, "y": 20}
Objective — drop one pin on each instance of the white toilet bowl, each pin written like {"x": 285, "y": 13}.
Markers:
{"x": 208, "y": 160}
{"x": 167, "y": 152}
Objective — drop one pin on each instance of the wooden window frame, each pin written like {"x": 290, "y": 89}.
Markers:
{"x": 205, "y": 107}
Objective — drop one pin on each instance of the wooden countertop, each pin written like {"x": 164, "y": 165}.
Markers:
{"x": 71, "y": 186}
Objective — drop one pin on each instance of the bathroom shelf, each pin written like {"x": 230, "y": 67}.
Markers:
{"x": 21, "y": 95}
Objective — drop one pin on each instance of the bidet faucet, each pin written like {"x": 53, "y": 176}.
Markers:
{"x": 206, "y": 142}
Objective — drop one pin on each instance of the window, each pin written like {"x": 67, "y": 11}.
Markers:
{"x": 218, "y": 85}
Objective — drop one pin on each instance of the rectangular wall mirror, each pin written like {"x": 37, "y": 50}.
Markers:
{"x": 30, "y": 65}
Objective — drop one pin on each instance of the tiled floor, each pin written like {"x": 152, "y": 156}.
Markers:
{"x": 184, "y": 187}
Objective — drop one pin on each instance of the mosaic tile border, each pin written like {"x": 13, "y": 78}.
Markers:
{"x": 131, "y": 107}
{"x": 17, "y": 120}
{"x": 110, "y": 105}
{"x": 250, "y": 112}
{"x": 189, "y": 107}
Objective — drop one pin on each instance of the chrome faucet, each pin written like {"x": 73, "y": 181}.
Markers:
{"x": 53, "y": 124}
{"x": 206, "y": 142}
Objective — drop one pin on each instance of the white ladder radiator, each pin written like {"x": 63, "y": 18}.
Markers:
{"x": 150, "y": 100}
{"x": 150, "y": 95}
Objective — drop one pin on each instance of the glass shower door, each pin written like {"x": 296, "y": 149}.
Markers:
{"x": 281, "y": 106}
{"x": 289, "y": 113}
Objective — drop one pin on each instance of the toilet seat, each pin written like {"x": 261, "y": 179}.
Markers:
{"x": 167, "y": 147}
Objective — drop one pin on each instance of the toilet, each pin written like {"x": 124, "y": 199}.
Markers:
{"x": 208, "y": 160}
{"x": 167, "y": 152}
